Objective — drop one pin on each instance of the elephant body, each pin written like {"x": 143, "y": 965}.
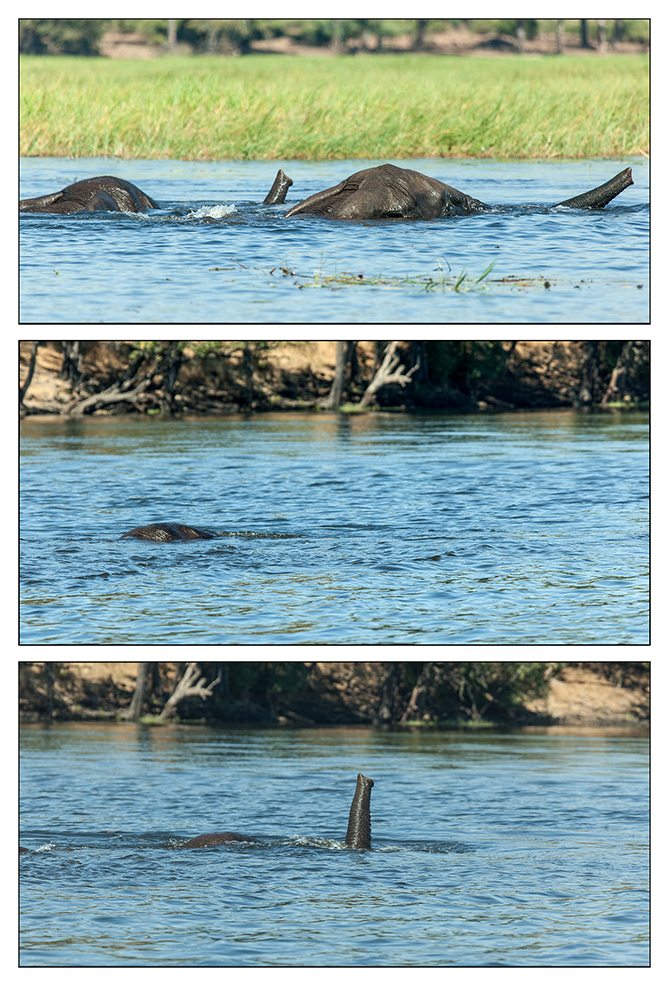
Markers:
{"x": 383, "y": 192}
{"x": 226, "y": 837}
{"x": 388, "y": 191}
{"x": 164, "y": 532}
{"x": 358, "y": 835}
{"x": 105, "y": 194}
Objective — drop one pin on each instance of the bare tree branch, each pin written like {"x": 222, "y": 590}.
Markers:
{"x": 390, "y": 371}
{"x": 189, "y": 685}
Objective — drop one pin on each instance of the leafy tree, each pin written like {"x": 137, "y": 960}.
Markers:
{"x": 474, "y": 690}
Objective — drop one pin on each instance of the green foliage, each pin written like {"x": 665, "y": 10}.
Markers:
{"x": 495, "y": 689}
{"x": 81, "y": 36}
{"x": 60, "y": 36}
{"x": 266, "y": 683}
{"x": 464, "y": 364}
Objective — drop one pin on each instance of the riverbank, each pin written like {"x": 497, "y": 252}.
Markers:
{"x": 234, "y": 377}
{"x": 385, "y": 106}
{"x": 582, "y": 695}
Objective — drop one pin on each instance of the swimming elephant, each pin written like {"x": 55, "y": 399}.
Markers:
{"x": 383, "y": 192}
{"x": 358, "y": 835}
{"x": 163, "y": 532}
{"x": 109, "y": 194}
{"x": 104, "y": 194}
{"x": 388, "y": 191}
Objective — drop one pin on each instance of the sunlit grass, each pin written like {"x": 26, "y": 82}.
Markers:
{"x": 387, "y": 106}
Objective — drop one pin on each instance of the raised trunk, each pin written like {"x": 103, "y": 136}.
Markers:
{"x": 601, "y": 196}
{"x": 277, "y": 193}
{"x": 359, "y": 833}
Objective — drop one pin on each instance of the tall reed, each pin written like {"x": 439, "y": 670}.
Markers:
{"x": 380, "y": 106}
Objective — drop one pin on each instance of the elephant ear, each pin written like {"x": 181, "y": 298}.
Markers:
{"x": 102, "y": 201}
{"x": 324, "y": 202}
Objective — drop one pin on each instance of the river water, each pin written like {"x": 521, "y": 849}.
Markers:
{"x": 213, "y": 254}
{"x": 487, "y": 849}
{"x": 513, "y": 528}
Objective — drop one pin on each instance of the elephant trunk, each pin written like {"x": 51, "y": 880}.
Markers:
{"x": 359, "y": 833}
{"x": 277, "y": 193}
{"x": 599, "y": 197}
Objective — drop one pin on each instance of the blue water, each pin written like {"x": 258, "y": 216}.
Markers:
{"x": 510, "y": 850}
{"x": 514, "y": 528}
{"x": 213, "y": 254}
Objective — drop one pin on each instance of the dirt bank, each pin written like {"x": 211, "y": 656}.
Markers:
{"x": 584, "y": 696}
{"x": 289, "y": 376}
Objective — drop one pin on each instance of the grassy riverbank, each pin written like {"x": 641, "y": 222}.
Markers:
{"x": 273, "y": 107}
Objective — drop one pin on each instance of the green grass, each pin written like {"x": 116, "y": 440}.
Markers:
{"x": 275, "y": 107}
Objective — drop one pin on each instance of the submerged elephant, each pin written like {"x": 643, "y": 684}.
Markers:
{"x": 104, "y": 194}
{"x": 358, "y": 834}
{"x": 108, "y": 194}
{"x": 382, "y": 192}
{"x": 164, "y": 532}
{"x": 388, "y": 191}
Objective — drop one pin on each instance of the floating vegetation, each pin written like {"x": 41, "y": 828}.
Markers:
{"x": 460, "y": 283}
{"x": 336, "y": 281}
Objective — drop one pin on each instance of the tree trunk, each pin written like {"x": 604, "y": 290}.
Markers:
{"x": 617, "y": 33}
{"x": 337, "y": 40}
{"x": 418, "y": 356}
{"x": 602, "y": 43}
{"x": 416, "y": 706}
{"x": 334, "y": 397}
{"x": 247, "y": 361}
{"x": 618, "y": 384}
{"x": 50, "y": 679}
{"x": 419, "y": 36}
{"x": 72, "y": 364}
{"x": 587, "y": 393}
{"x": 389, "y": 695}
{"x": 31, "y": 369}
{"x": 352, "y": 361}
{"x": 559, "y": 37}
{"x": 134, "y": 711}
{"x": 112, "y": 395}
{"x": 169, "y": 366}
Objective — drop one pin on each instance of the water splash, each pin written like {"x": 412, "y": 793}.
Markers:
{"x": 211, "y": 212}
